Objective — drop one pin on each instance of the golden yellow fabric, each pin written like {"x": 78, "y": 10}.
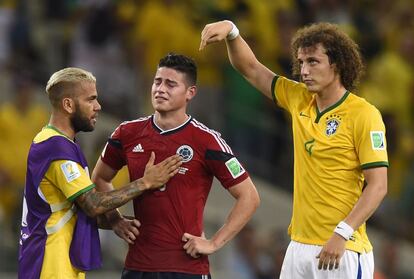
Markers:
{"x": 330, "y": 150}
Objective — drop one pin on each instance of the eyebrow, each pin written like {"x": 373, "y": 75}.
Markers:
{"x": 167, "y": 80}
{"x": 312, "y": 57}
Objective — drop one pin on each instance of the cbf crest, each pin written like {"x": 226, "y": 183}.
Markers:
{"x": 333, "y": 122}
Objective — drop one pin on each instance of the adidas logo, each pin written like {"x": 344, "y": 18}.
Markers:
{"x": 138, "y": 148}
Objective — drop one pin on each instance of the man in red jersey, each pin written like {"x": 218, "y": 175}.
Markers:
{"x": 171, "y": 242}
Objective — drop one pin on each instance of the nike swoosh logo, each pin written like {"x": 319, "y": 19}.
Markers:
{"x": 304, "y": 115}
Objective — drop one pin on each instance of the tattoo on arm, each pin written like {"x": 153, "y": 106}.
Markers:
{"x": 94, "y": 203}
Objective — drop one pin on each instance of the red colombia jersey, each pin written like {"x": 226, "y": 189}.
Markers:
{"x": 166, "y": 214}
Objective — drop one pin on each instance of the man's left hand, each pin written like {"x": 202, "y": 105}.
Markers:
{"x": 196, "y": 245}
{"x": 126, "y": 228}
{"x": 331, "y": 252}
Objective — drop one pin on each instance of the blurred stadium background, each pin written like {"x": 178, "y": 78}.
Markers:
{"x": 121, "y": 42}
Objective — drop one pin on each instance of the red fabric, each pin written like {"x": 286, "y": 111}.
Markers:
{"x": 166, "y": 215}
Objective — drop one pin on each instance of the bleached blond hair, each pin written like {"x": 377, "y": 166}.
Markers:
{"x": 64, "y": 79}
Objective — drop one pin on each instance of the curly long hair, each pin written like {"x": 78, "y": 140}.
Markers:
{"x": 340, "y": 48}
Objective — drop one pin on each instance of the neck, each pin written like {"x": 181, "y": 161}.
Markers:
{"x": 167, "y": 121}
{"x": 329, "y": 96}
{"x": 62, "y": 123}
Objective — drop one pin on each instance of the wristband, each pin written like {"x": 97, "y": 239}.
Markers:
{"x": 344, "y": 230}
{"x": 233, "y": 33}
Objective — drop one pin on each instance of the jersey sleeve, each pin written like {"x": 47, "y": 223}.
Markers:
{"x": 113, "y": 154}
{"x": 370, "y": 141}
{"x": 287, "y": 93}
{"x": 70, "y": 178}
{"x": 223, "y": 164}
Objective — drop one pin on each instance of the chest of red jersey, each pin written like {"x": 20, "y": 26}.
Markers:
{"x": 139, "y": 145}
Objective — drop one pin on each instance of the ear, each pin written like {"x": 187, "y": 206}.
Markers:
{"x": 191, "y": 92}
{"x": 68, "y": 105}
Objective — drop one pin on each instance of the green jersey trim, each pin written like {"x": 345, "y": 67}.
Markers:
{"x": 375, "y": 165}
{"x": 84, "y": 190}
{"x": 337, "y": 104}
{"x": 48, "y": 126}
{"x": 272, "y": 88}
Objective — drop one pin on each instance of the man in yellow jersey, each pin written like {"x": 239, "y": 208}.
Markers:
{"x": 340, "y": 157}
{"x": 59, "y": 236}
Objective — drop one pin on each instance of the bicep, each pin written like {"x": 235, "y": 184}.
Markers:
{"x": 87, "y": 201}
{"x": 102, "y": 175}
{"x": 244, "y": 189}
{"x": 376, "y": 177}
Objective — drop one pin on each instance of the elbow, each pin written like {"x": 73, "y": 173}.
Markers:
{"x": 248, "y": 69}
{"x": 255, "y": 201}
{"x": 383, "y": 191}
{"x": 92, "y": 213}
{"x": 91, "y": 203}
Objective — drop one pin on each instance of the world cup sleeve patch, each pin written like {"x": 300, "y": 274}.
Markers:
{"x": 378, "y": 140}
{"x": 70, "y": 170}
{"x": 234, "y": 167}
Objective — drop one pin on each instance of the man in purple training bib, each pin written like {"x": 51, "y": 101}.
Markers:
{"x": 59, "y": 232}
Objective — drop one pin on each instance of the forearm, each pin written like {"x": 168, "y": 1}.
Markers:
{"x": 242, "y": 57}
{"x": 236, "y": 220}
{"x": 106, "y": 186}
{"x": 243, "y": 60}
{"x": 366, "y": 205}
{"x": 95, "y": 203}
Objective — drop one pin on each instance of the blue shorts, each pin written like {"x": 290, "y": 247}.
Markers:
{"x": 132, "y": 274}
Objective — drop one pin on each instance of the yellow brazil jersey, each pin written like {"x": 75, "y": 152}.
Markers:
{"x": 331, "y": 148}
{"x": 63, "y": 182}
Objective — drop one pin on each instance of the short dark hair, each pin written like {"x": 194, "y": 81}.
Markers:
{"x": 340, "y": 48}
{"x": 181, "y": 63}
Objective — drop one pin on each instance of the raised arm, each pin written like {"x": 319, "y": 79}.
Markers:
{"x": 247, "y": 201}
{"x": 94, "y": 203}
{"x": 240, "y": 55}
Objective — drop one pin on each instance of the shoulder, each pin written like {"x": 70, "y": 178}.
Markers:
{"x": 135, "y": 123}
{"x": 201, "y": 129}
{"x": 208, "y": 137}
{"x": 283, "y": 82}
{"x": 50, "y": 138}
{"x": 361, "y": 108}
{"x": 127, "y": 127}
{"x": 53, "y": 147}
{"x": 287, "y": 92}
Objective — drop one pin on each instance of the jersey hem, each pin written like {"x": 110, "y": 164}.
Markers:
{"x": 155, "y": 269}
{"x": 107, "y": 161}
{"x": 237, "y": 180}
{"x": 77, "y": 194}
{"x": 375, "y": 165}
{"x": 272, "y": 88}
{"x": 349, "y": 245}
